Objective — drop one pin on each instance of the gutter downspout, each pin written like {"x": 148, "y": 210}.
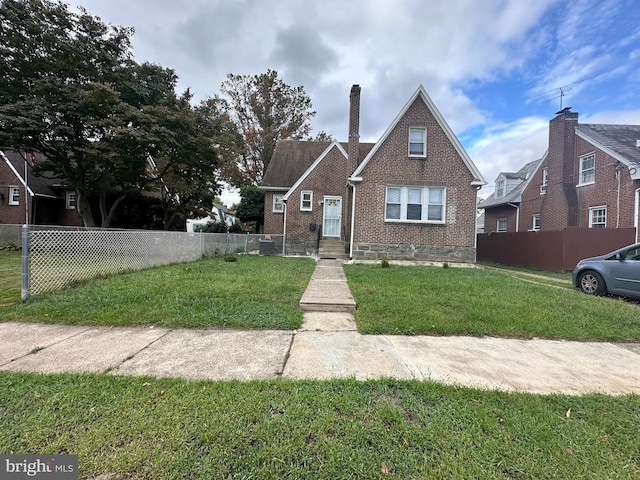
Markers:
{"x": 284, "y": 228}
{"x": 635, "y": 212}
{"x": 352, "y": 183}
{"x": 517, "y": 207}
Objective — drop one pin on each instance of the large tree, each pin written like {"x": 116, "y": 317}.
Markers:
{"x": 69, "y": 88}
{"x": 265, "y": 110}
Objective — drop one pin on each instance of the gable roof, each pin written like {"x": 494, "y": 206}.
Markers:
{"x": 515, "y": 195}
{"x": 478, "y": 179}
{"x": 292, "y": 158}
{"x": 618, "y": 141}
{"x": 41, "y": 185}
{"x": 314, "y": 165}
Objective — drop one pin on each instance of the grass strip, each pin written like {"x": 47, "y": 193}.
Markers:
{"x": 251, "y": 292}
{"x": 142, "y": 428}
{"x": 461, "y": 301}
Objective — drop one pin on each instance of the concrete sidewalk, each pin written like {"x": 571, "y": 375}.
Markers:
{"x": 327, "y": 346}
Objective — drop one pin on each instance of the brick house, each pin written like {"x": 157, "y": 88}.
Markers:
{"x": 411, "y": 195}
{"x": 37, "y": 200}
{"x": 589, "y": 177}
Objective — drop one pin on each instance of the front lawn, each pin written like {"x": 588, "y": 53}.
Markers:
{"x": 147, "y": 428}
{"x": 251, "y": 292}
{"x": 463, "y": 301}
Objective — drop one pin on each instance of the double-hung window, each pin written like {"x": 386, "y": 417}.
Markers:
{"x": 70, "y": 200}
{"x": 587, "y": 169}
{"x": 14, "y": 195}
{"x": 306, "y": 201}
{"x": 535, "y": 226}
{"x": 415, "y": 204}
{"x": 501, "y": 225}
{"x": 598, "y": 217}
{"x": 278, "y": 204}
{"x": 500, "y": 188}
{"x": 417, "y": 142}
{"x": 545, "y": 179}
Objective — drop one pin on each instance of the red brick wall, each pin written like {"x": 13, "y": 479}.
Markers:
{"x": 492, "y": 215}
{"x": 391, "y": 165}
{"x": 273, "y": 222}
{"x": 531, "y": 199}
{"x": 12, "y": 214}
{"x": 604, "y": 191}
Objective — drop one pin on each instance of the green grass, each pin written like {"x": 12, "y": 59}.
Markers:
{"x": 253, "y": 292}
{"x": 10, "y": 277}
{"x": 460, "y": 301}
{"x": 143, "y": 428}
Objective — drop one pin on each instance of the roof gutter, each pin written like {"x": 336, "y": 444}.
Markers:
{"x": 517, "y": 207}
{"x": 352, "y": 182}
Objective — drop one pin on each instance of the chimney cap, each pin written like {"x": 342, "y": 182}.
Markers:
{"x": 564, "y": 110}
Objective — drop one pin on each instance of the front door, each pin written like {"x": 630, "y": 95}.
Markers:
{"x": 332, "y": 217}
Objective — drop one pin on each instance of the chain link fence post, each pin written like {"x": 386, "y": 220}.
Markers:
{"x": 24, "y": 294}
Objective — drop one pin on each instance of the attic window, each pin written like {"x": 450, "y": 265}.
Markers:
{"x": 545, "y": 178}
{"x": 417, "y": 142}
{"x": 587, "y": 169}
{"x": 14, "y": 196}
{"x": 500, "y": 188}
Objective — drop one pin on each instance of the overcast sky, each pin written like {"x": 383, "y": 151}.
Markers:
{"x": 494, "y": 68}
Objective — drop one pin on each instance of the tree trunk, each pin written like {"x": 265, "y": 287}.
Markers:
{"x": 107, "y": 216}
{"x": 84, "y": 209}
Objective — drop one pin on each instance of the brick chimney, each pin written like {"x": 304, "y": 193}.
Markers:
{"x": 560, "y": 204}
{"x": 354, "y": 127}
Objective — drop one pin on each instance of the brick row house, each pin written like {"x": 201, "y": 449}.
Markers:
{"x": 27, "y": 198}
{"x": 411, "y": 195}
{"x": 589, "y": 177}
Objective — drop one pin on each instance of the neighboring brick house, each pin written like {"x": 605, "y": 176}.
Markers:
{"x": 38, "y": 200}
{"x": 589, "y": 177}
{"x": 502, "y": 208}
{"x": 411, "y": 195}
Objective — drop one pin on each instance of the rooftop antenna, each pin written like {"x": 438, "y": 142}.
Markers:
{"x": 561, "y": 95}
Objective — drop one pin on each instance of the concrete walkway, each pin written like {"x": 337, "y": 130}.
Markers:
{"x": 327, "y": 346}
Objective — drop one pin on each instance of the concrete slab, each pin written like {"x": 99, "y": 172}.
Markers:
{"x": 213, "y": 354}
{"x": 18, "y": 339}
{"x": 536, "y": 366}
{"x": 93, "y": 350}
{"x": 328, "y": 322}
{"x": 324, "y": 355}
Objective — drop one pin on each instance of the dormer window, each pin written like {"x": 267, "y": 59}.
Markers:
{"x": 417, "y": 142}
{"x": 500, "y": 188}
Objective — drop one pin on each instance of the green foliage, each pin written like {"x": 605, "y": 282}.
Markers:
{"x": 230, "y": 258}
{"x": 264, "y": 109}
{"x": 251, "y": 206}
{"x": 445, "y": 265}
{"x": 237, "y": 227}
{"x": 211, "y": 227}
{"x": 71, "y": 90}
{"x": 164, "y": 429}
{"x": 384, "y": 263}
{"x": 10, "y": 247}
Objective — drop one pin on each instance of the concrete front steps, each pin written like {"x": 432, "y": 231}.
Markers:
{"x": 328, "y": 290}
{"x": 332, "y": 248}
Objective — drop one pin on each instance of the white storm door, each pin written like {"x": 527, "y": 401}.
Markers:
{"x": 332, "y": 216}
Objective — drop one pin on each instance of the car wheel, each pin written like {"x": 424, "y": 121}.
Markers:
{"x": 592, "y": 283}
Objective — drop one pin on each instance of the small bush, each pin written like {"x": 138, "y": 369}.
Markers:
{"x": 445, "y": 265}
{"x": 385, "y": 263}
{"x": 211, "y": 227}
{"x": 10, "y": 247}
{"x": 230, "y": 258}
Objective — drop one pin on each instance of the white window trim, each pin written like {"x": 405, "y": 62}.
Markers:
{"x": 302, "y": 201}
{"x": 12, "y": 189}
{"x": 592, "y": 210}
{"x": 545, "y": 180}
{"x": 278, "y": 206}
{"x": 581, "y": 170}
{"x": 501, "y": 188}
{"x": 424, "y": 142}
{"x": 404, "y": 197}
{"x": 498, "y": 229}
{"x": 534, "y": 227}
{"x": 67, "y": 200}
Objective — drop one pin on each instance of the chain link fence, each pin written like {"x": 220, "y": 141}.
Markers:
{"x": 54, "y": 257}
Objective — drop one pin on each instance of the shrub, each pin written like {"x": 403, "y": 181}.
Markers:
{"x": 211, "y": 227}
{"x": 385, "y": 263}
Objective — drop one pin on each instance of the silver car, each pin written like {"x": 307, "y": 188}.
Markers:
{"x": 616, "y": 273}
